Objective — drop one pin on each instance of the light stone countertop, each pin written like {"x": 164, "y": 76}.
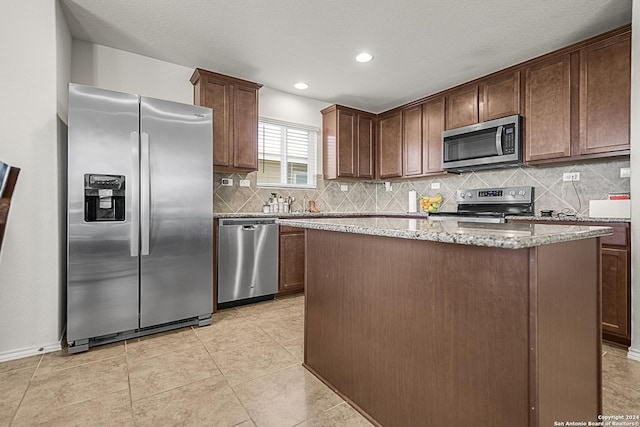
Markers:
{"x": 315, "y": 215}
{"x": 509, "y": 235}
{"x": 565, "y": 218}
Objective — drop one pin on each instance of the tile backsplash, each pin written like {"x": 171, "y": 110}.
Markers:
{"x": 597, "y": 179}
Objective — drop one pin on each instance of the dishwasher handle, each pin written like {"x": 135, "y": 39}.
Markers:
{"x": 248, "y": 227}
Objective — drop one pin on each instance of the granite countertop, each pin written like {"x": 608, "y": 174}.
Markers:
{"x": 315, "y": 215}
{"x": 565, "y": 218}
{"x": 509, "y": 235}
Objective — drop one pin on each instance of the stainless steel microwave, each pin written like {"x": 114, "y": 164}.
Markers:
{"x": 493, "y": 144}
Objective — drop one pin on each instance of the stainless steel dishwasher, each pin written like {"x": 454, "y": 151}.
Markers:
{"x": 247, "y": 260}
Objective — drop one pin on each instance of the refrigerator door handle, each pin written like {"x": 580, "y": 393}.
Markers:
{"x": 145, "y": 193}
{"x": 135, "y": 195}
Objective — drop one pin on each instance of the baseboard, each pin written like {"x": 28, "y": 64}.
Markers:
{"x": 634, "y": 354}
{"x": 30, "y": 351}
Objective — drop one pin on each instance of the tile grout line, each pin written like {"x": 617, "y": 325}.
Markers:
{"x": 126, "y": 357}
{"x": 13, "y": 417}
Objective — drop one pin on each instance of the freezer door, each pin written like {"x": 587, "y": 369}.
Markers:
{"x": 176, "y": 211}
{"x": 102, "y": 269}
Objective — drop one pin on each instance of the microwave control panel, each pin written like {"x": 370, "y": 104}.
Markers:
{"x": 509, "y": 140}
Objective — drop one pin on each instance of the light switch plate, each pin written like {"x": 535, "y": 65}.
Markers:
{"x": 344, "y": 187}
{"x": 227, "y": 182}
{"x": 571, "y": 176}
{"x": 245, "y": 183}
{"x": 625, "y": 172}
{"x": 435, "y": 185}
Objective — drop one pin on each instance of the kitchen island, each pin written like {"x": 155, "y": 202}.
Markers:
{"x": 421, "y": 323}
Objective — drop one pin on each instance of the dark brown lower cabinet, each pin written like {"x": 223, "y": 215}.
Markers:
{"x": 616, "y": 280}
{"x": 291, "y": 260}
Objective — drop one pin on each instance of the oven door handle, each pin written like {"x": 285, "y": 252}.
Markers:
{"x": 499, "y": 140}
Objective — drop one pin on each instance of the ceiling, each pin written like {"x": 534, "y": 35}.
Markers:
{"x": 420, "y": 47}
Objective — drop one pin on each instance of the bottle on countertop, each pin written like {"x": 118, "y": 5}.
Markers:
{"x": 280, "y": 204}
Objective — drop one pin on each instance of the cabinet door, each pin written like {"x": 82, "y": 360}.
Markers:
{"x": 245, "y": 129}
{"x": 291, "y": 262}
{"x": 615, "y": 298}
{"x": 548, "y": 109}
{"x": 412, "y": 141}
{"x": 365, "y": 146}
{"x": 605, "y": 95}
{"x": 432, "y": 128}
{"x": 500, "y": 96}
{"x": 390, "y": 146}
{"x": 217, "y": 96}
{"x": 462, "y": 107}
{"x": 346, "y": 144}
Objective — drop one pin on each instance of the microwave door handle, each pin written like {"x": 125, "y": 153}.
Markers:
{"x": 499, "y": 140}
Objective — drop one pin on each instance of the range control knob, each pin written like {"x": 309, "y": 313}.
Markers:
{"x": 522, "y": 192}
{"x": 468, "y": 194}
{"x": 461, "y": 194}
{"x": 512, "y": 193}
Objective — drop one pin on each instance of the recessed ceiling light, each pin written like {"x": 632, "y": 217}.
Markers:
{"x": 301, "y": 85}
{"x": 364, "y": 57}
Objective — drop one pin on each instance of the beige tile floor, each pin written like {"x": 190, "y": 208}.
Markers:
{"x": 244, "y": 370}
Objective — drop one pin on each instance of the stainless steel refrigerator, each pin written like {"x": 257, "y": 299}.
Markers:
{"x": 140, "y": 224}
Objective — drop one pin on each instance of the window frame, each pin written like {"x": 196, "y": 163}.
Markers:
{"x": 312, "y": 155}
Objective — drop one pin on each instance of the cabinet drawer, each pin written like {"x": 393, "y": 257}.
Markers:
{"x": 288, "y": 229}
{"x": 618, "y": 238}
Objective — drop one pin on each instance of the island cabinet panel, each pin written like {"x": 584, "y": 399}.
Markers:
{"x": 435, "y": 334}
{"x": 605, "y": 95}
{"x": 500, "y": 96}
{"x": 291, "y": 260}
{"x": 390, "y": 145}
{"x": 615, "y": 279}
{"x": 462, "y": 107}
{"x": 548, "y": 109}
{"x": 348, "y": 143}
{"x": 412, "y": 141}
{"x": 235, "y": 118}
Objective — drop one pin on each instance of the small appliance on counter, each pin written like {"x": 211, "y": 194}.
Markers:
{"x": 490, "y": 205}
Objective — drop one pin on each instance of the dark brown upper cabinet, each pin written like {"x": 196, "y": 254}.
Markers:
{"x": 348, "y": 143}
{"x": 605, "y": 95}
{"x": 462, "y": 107}
{"x": 548, "y": 109}
{"x": 390, "y": 145}
{"x": 433, "y": 118}
{"x": 499, "y": 96}
{"x": 235, "y": 118}
{"x": 422, "y": 127}
{"x": 487, "y": 99}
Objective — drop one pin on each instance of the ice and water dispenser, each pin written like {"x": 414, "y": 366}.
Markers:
{"x": 104, "y": 198}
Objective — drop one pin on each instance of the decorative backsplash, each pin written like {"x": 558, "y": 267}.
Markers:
{"x": 597, "y": 179}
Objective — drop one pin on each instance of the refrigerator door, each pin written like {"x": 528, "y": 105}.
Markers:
{"x": 176, "y": 211}
{"x": 102, "y": 270}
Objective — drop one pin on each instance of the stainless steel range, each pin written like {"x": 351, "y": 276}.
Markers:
{"x": 489, "y": 204}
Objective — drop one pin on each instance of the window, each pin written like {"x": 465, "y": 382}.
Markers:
{"x": 286, "y": 154}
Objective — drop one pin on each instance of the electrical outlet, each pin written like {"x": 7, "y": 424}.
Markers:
{"x": 245, "y": 183}
{"x": 227, "y": 182}
{"x": 435, "y": 185}
{"x": 387, "y": 186}
{"x": 344, "y": 187}
{"x": 625, "y": 172}
{"x": 571, "y": 176}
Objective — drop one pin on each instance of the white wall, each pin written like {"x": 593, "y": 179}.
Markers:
{"x": 30, "y": 265}
{"x": 634, "y": 351}
{"x": 101, "y": 66}
{"x": 290, "y": 108}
